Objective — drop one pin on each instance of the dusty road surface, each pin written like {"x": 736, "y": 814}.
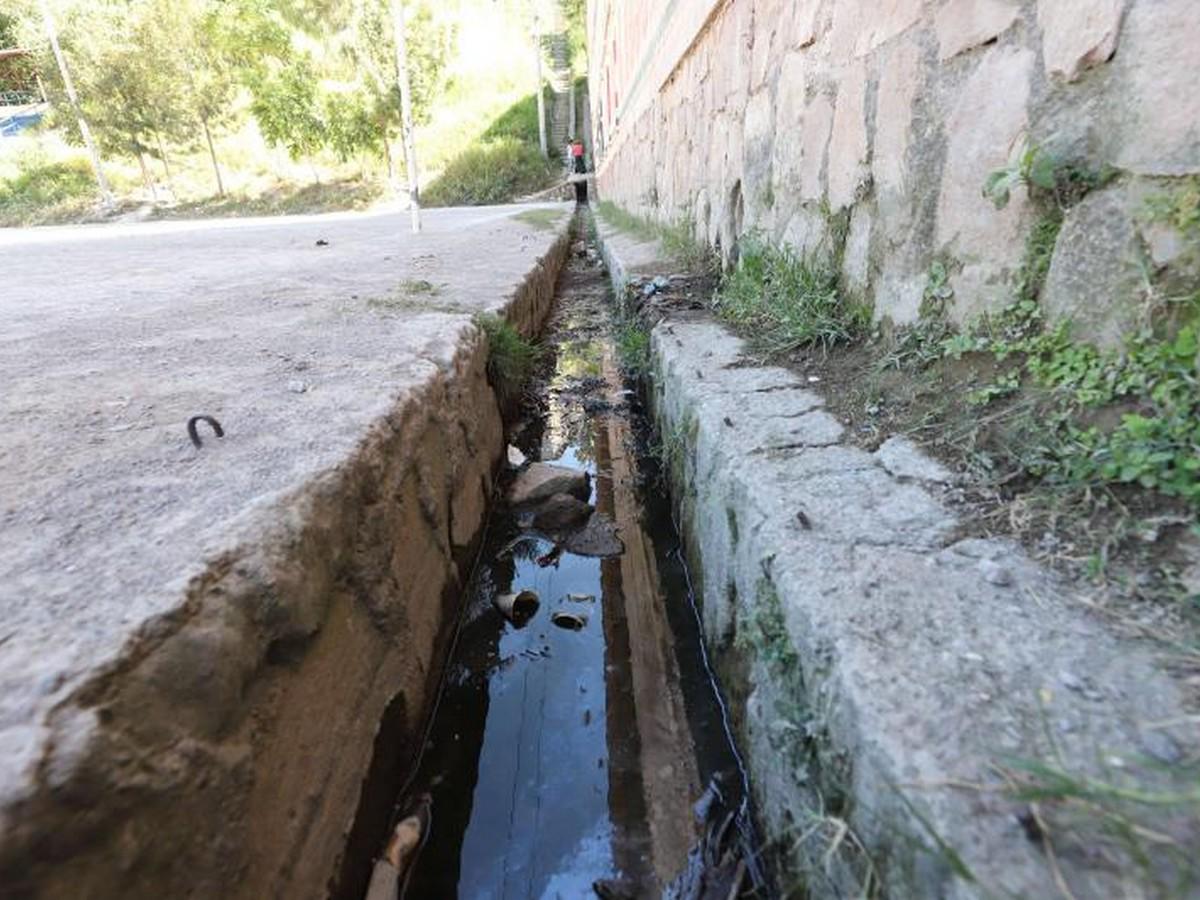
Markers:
{"x": 296, "y": 334}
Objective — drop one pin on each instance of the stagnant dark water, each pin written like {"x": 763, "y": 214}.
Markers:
{"x": 560, "y": 757}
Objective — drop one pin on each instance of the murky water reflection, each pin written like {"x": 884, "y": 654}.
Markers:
{"x": 560, "y": 757}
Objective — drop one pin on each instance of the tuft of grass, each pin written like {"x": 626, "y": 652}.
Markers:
{"x": 783, "y": 302}
{"x": 633, "y": 347}
{"x": 511, "y": 357}
{"x": 491, "y": 172}
{"x": 541, "y": 219}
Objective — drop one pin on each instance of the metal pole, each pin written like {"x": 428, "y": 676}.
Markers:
{"x": 406, "y": 114}
{"x": 541, "y": 96}
{"x": 52, "y": 33}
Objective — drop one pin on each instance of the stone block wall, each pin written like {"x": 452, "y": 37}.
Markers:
{"x": 872, "y": 125}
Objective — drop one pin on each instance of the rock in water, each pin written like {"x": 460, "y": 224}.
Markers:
{"x": 598, "y": 538}
{"x": 540, "y": 481}
{"x": 560, "y": 513}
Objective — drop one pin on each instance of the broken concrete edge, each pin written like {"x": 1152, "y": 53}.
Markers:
{"x": 223, "y": 752}
{"x": 879, "y": 667}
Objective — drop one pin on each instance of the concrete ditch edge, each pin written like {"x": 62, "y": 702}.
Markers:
{"x": 879, "y": 666}
{"x": 224, "y": 753}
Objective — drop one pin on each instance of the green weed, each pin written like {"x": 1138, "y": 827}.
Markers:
{"x": 1180, "y": 209}
{"x": 511, "y": 357}
{"x": 633, "y": 347}
{"x": 491, "y": 172}
{"x": 783, "y": 302}
{"x": 36, "y": 193}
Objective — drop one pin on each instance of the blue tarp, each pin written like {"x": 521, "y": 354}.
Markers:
{"x": 11, "y": 125}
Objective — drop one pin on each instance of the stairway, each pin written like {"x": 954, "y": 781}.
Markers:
{"x": 556, "y": 48}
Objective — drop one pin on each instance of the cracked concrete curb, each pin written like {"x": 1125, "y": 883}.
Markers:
{"x": 223, "y": 753}
{"x": 900, "y": 658}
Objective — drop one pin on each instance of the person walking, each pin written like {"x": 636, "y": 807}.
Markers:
{"x": 580, "y": 168}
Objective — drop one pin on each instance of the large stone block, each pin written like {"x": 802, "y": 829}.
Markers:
{"x": 813, "y": 145}
{"x": 856, "y": 260}
{"x": 758, "y": 132}
{"x": 1078, "y": 34}
{"x": 1094, "y": 277}
{"x": 984, "y": 126}
{"x": 848, "y": 141}
{"x": 790, "y": 89}
{"x": 964, "y": 24}
{"x": 859, "y": 26}
{"x": 900, "y": 81}
{"x": 770, "y": 33}
{"x": 1155, "y": 95}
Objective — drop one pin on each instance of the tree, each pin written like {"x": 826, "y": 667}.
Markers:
{"x": 8, "y": 30}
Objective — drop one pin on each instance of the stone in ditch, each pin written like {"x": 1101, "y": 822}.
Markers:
{"x": 540, "y": 481}
{"x": 598, "y": 538}
{"x": 560, "y": 513}
{"x": 516, "y": 458}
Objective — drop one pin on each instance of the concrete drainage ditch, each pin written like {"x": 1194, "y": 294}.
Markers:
{"x": 581, "y": 746}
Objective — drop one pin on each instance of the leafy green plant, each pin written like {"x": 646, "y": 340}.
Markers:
{"x": 1029, "y": 165}
{"x": 784, "y": 302}
{"x": 1045, "y": 176}
{"x": 511, "y": 357}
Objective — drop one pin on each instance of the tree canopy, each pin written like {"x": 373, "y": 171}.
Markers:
{"x": 314, "y": 74}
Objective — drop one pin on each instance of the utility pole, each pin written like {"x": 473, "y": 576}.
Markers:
{"x": 406, "y": 114}
{"x": 52, "y": 33}
{"x": 541, "y": 95}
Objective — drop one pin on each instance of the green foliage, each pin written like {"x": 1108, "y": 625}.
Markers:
{"x": 490, "y": 172}
{"x": 36, "y": 190}
{"x": 519, "y": 121}
{"x": 1155, "y": 445}
{"x": 511, "y": 357}
{"x": 784, "y": 303}
{"x": 633, "y": 347}
{"x": 1030, "y": 166}
{"x": 1045, "y": 176}
{"x": 8, "y": 30}
{"x": 1180, "y": 209}
{"x": 287, "y": 110}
